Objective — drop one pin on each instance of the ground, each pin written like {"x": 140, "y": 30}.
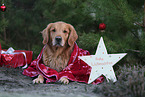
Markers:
{"x": 14, "y": 84}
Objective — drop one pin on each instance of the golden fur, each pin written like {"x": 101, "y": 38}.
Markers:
{"x": 57, "y": 54}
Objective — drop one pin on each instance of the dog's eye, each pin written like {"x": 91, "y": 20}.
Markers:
{"x": 53, "y": 30}
{"x": 64, "y": 31}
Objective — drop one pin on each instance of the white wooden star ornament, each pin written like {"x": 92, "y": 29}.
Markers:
{"x": 102, "y": 63}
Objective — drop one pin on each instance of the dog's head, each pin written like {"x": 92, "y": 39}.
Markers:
{"x": 59, "y": 34}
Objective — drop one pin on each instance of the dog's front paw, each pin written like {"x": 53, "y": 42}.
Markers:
{"x": 40, "y": 79}
{"x": 64, "y": 80}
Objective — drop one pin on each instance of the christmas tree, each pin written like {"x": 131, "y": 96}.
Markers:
{"x": 21, "y": 23}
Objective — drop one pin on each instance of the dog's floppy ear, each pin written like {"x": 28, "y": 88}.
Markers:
{"x": 45, "y": 33}
{"x": 73, "y": 35}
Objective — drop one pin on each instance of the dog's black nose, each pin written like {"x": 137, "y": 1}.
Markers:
{"x": 58, "y": 38}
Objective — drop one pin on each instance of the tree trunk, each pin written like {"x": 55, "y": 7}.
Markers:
{"x": 4, "y": 29}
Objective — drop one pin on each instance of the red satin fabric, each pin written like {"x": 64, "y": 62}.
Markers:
{"x": 77, "y": 70}
{"x": 16, "y": 60}
{"x": 0, "y": 53}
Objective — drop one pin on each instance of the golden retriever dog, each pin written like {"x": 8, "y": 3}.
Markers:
{"x": 59, "y": 38}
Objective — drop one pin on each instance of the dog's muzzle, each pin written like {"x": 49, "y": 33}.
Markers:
{"x": 58, "y": 40}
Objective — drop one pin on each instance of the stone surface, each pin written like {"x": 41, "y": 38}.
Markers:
{"x": 14, "y": 84}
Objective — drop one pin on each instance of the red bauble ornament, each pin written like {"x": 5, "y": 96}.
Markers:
{"x": 3, "y": 8}
{"x": 102, "y": 26}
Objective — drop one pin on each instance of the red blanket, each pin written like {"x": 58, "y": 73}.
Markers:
{"x": 77, "y": 70}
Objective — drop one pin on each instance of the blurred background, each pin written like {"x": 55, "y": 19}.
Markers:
{"x": 21, "y": 23}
